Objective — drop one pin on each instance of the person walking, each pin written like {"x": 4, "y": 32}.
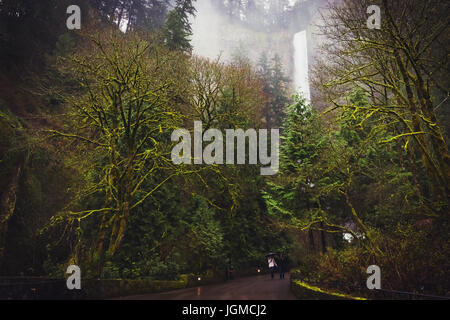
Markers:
{"x": 282, "y": 265}
{"x": 229, "y": 270}
{"x": 272, "y": 265}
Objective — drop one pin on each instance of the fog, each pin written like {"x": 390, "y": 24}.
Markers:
{"x": 206, "y": 39}
{"x": 216, "y": 34}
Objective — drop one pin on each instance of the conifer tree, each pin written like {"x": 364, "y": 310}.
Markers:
{"x": 177, "y": 28}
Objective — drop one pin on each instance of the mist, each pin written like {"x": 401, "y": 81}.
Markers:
{"x": 281, "y": 28}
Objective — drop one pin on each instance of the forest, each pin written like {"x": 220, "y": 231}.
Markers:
{"x": 86, "y": 118}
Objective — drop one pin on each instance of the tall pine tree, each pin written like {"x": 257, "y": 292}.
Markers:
{"x": 275, "y": 87}
{"x": 177, "y": 28}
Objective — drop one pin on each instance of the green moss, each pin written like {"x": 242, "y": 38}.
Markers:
{"x": 309, "y": 291}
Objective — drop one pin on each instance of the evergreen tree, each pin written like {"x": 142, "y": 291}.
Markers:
{"x": 144, "y": 14}
{"x": 147, "y": 14}
{"x": 177, "y": 28}
{"x": 275, "y": 87}
{"x": 279, "y": 82}
{"x": 240, "y": 54}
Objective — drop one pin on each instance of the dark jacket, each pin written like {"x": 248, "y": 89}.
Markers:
{"x": 282, "y": 263}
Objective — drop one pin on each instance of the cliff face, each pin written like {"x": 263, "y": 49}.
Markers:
{"x": 219, "y": 34}
{"x": 216, "y": 34}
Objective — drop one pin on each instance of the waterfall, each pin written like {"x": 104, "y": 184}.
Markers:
{"x": 301, "y": 83}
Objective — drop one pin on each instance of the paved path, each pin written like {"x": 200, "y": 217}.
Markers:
{"x": 260, "y": 287}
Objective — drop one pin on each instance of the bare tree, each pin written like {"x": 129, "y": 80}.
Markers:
{"x": 402, "y": 67}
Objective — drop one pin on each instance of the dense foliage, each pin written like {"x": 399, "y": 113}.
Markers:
{"x": 86, "y": 118}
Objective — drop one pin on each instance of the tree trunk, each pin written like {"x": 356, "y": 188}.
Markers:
{"x": 8, "y": 205}
{"x": 355, "y": 216}
{"x": 311, "y": 239}
{"x": 322, "y": 237}
{"x": 120, "y": 226}
{"x": 99, "y": 254}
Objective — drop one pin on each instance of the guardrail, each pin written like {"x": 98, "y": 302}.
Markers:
{"x": 56, "y": 289}
{"x": 37, "y": 288}
{"x": 362, "y": 291}
{"x": 316, "y": 290}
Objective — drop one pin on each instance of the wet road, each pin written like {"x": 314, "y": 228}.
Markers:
{"x": 260, "y": 287}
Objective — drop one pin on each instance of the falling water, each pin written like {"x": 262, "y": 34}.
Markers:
{"x": 214, "y": 35}
{"x": 301, "y": 82}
